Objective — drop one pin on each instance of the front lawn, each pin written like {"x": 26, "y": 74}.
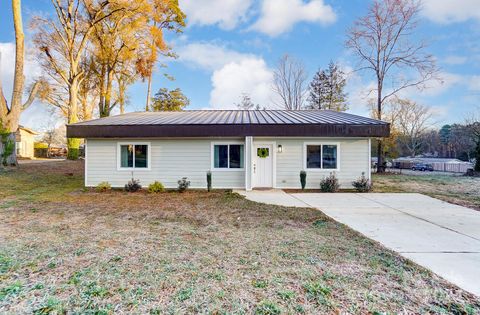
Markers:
{"x": 66, "y": 249}
{"x": 457, "y": 189}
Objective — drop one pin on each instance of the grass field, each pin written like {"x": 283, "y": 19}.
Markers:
{"x": 67, "y": 249}
{"x": 460, "y": 190}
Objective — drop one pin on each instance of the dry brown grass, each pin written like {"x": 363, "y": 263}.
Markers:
{"x": 66, "y": 249}
{"x": 461, "y": 190}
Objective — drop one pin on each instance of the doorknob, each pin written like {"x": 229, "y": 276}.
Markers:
{"x": 254, "y": 168}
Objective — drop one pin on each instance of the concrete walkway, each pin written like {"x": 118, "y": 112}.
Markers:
{"x": 440, "y": 236}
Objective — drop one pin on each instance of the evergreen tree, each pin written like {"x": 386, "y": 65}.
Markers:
{"x": 327, "y": 89}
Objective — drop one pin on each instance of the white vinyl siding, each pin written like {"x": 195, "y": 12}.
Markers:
{"x": 353, "y": 159}
{"x": 170, "y": 160}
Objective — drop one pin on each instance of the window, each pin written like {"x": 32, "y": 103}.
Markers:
{"x": 329, "y": 156}
{"x": 228, "y": 156}
{"x": 321, "y": 156}
{"x": 134, "y": 156}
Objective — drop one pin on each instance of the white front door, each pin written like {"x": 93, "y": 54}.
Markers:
{"x": 263, "y": 166}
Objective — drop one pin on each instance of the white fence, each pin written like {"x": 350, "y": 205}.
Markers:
{"x": 451, "y": 167}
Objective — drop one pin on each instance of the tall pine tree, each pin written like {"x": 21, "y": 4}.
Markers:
{"x": 326, "y": 89}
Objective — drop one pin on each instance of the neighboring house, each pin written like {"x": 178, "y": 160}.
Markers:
{"x": 24, "y": 142}
{"x": 243, "y": 149}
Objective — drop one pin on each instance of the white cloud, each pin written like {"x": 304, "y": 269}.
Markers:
{"x": 436, "y": 87}
{"x": 233, "y": 73}
{"x": 250, "y": 75}
{"x": 37, "y": 113}
{"x": 455, "y": 60}
{"x": 7, "y": 58}
{"x": 474, "y": 83}
{"x": 279, "y": 16}
{"x": 451, "y": 11}
{"x": 209, "y": 56}
{"x": 225, "y": 13}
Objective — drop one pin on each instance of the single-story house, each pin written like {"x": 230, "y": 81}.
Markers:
{"x": 243, "y": 149}
{"x": 24, "y": 142}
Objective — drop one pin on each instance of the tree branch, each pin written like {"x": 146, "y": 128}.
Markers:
{"x": 32, "y": 95}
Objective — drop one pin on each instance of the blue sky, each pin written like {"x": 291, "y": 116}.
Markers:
{"x": 231, "y": 47}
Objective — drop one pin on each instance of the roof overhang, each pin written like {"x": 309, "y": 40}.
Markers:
{"x": 228, "y": 130}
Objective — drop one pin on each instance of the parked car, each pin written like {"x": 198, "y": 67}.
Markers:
{"x": 422, "y": 167}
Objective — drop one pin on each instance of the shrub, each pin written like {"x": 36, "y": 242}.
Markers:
{"x": 209, "y": 181}
{"x": 40, "y": 145}
{"x": 329, "y": 183}
{"x": 73, "y": 153}
{"x": 103, "y": 187}
{"x": 156, "y": 187}
{"x": 477, "y": 157}
{"x": 183, "y": 184}
{"x": 8, "y": 149}
{"x": 133, "y": 185}
{"x": 362, "y": 184}
{"x": 303, "y": 179}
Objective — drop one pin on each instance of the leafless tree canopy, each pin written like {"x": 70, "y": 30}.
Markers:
{"x": 412, "y": 121}
{"x": 289, "y": 82}
{"x": 382, "y": 41}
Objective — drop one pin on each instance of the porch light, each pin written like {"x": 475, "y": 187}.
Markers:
{"x": 279, "y": 148}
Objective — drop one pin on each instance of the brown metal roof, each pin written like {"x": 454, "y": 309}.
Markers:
{"x": 213, "y": 123}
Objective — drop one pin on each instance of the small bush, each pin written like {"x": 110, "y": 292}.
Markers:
{"x": 183, "y": 184}
{"x": 362, "y": 184}
{"x": 303, "y": 179}
{"x": 209, "y": 181}
{"x": 73, "y": 153}
{"x": 329, "y": 183}
{"x": 133, "y": 185}
{"x": 103, "y": 187}
{"x": 156, "y": 187}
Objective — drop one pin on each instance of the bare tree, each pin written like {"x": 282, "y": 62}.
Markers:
{"x": 413, "y": 120}
{"x": 473, "y": 124}
{"x": 10, "y": 115}
{"x": 289, "y": 82}
{"x": 53, "y": 135}
{"x": 382, "y": 41}
{"x": 246, "y": 103}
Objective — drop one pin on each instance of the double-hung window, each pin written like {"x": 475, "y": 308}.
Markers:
{"x": 321, "y": 156}
{"x": 134, "y": 156}
{"x": 228, "y": 156}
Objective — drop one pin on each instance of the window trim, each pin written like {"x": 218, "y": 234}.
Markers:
{"x": 321, "y": 169}
{"x": 119, "y": 158}
{"x": 226, "y": 169}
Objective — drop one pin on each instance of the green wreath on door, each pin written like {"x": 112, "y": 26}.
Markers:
{"x": 263, "y": 152}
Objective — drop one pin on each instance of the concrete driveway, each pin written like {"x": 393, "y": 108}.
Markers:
{"x": 440, "y": 236}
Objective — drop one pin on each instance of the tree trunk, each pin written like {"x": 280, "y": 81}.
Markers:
{"x": 9, "y": 123}
{"x": 149, "y": 88}
{"x": 380, "y": 155}
{"x": 73, "y": 144}
{"x": 8, "y": 149}
{"x": 121, "y": 96}
{"x": 108, "y": 96}
{"x": 18, "y": 80}
{"x": 101, "y": 98}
